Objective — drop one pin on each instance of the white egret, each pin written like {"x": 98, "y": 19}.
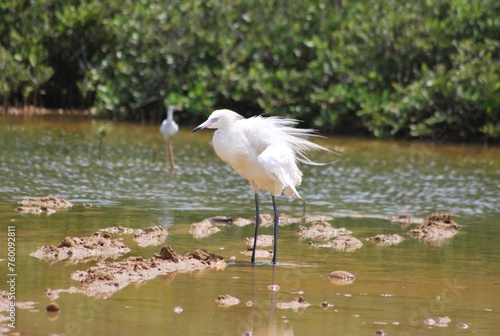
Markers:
{"x": 169, "y": 128}
{"x": 265, "y": 151}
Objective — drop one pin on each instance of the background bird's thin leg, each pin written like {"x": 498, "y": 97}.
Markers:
{"x": 166, "y": 157}
{"x": 172, "y": 156}
{"x": 276, "y": 222}
{"x": 257, "y": 222}
{"x": 303, "y": 207}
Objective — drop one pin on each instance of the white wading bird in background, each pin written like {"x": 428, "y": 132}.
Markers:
{"x": 265, "y": 151}
{"x": 168, "y": 129}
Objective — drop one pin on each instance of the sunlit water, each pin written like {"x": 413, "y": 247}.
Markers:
{"x": 127, "y": 183}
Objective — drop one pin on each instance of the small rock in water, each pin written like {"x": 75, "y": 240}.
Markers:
{"x": 52, "y": 307}
{"x": 463, "y": 325}
{"x": 430, "y": 321}
{"x": 325, "y": 305}
{"x": 341, "y": 277}
{"x": 273, "y": 288}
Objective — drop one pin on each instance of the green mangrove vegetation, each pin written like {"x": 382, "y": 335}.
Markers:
{"x": 423, "y": 68}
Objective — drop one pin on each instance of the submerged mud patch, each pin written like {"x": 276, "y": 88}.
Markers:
{"x": 298, "y": 304}
{"x": 267, "y": 220}
{"x": 42, "y": 205}
{"x": 342, "y": 243}
{"x": 262, "y": 241}
{"x": 385, "y": 239}
{"x": 106, "y": 278}
{"x": 82, "y": 249}
{"x": 203, "y": 229}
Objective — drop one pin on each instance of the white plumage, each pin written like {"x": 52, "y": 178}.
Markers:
{"x": 168, "y": 129}
{"x": 265, "y": 151}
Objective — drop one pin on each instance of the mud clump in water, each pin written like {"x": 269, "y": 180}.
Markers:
{"x": 42, "y": 205}
{"x": 261, "y": 254}
{"x": 267, "y": 220}
{"x": 168, "y": 253}
{"x": 320, "y": 230}
{"x": 106, "y": 278}
{"x": 385, "y": 239}
{"x": 81, "y": 249}
{"x": 342, "y": 243}
{"x": 405, "y": 219}
{"x": 298, "y": 304}
{"x": 203, "y": 229}
{"x": 47, "y": 202}
{"x": 227, "y": 300}
{"x": 153, "y": 235}
{"x": 437, "y": 228}
{"x": 262, "y": 241}
{"x": 35, "y": 210}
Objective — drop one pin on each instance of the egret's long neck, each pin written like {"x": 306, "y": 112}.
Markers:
{"x": 170, "y": 114}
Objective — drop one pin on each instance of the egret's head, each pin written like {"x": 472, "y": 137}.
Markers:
{"x": 219, "y": 119}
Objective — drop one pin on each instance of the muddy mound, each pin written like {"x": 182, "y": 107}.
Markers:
{"x": 437, "y": 228}
{"x": 82, "y": 249}
{"x": 153, "y": 235}
{"x": 106, "y": 278}
{"x": 385, "y": 239}
{"x": 320, "y": 230}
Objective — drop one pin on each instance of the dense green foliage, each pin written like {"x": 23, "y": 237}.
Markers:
{"x": 389, "y": 68}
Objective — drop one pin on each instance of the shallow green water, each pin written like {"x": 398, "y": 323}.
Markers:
{"x": 396, "y": 288}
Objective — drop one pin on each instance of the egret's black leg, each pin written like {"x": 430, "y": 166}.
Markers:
{"x": 257, "y": 222}
{"x": 276, "y": 223}
{"x": 303, "y": 207}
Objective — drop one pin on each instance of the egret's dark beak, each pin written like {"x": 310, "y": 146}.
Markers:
{"x": 205, "y": 124}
